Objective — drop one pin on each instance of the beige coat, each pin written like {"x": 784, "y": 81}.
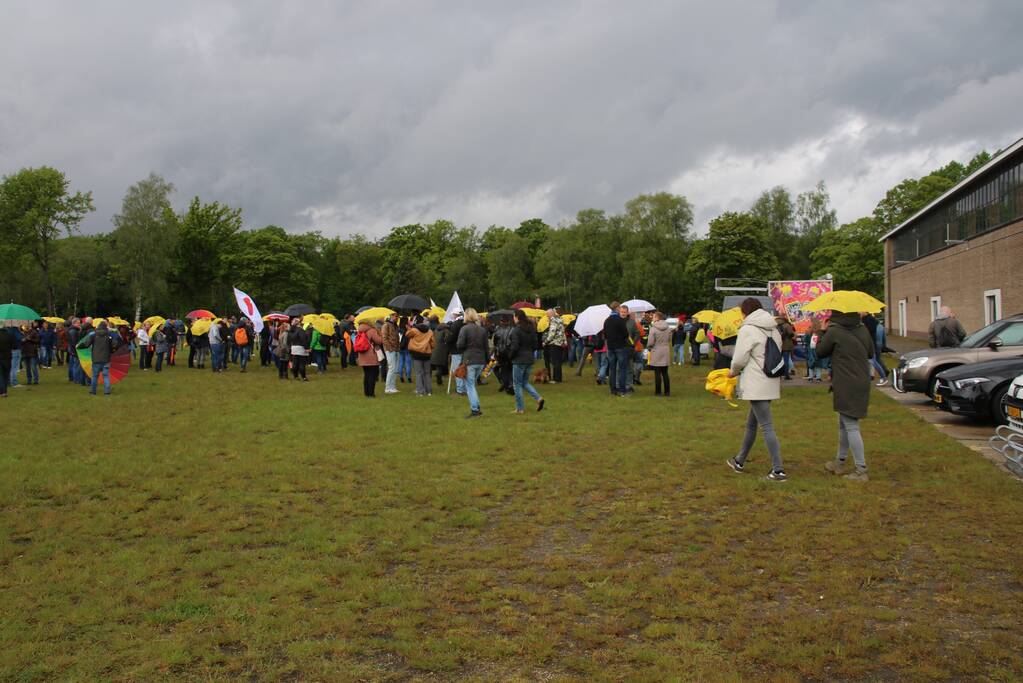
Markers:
{"x": 748, "y": 358}
{"x": 659, "y": 344}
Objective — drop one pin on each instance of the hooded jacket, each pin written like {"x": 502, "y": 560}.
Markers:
{"x": 748, "y": 358}
{"x": 368, "y": 358}
{"x": 102, "y": 345}
{"x": 659, "y": 344}
{"x": 850, "y": 348}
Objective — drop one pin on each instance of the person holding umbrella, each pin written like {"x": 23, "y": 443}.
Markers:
{"x": 758, "y": 326}
{"x": 298, "y": 343}
{"x": 848, "y": 344}
{"x": 103, "y": 345}
{"x": 420, "y": 346}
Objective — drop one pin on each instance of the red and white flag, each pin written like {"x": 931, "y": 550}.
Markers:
{"x": 248, "y": 309}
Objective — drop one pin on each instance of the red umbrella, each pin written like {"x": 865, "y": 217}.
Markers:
{"x": 200, "y": 313}
{"x": 522, "y": 304}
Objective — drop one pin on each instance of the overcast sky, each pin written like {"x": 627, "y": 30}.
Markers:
{"x": 353, "y": 117}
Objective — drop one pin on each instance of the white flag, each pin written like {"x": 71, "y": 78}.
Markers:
{"x": 455, "y": 306}
{"x": 248, "y": 309}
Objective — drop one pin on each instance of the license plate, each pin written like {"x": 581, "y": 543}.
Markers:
{"x": 938, "y": 398}
{"x": 1012, "y": 411}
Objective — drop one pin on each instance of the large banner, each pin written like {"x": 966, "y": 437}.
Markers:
{"x": 790, "y": 296}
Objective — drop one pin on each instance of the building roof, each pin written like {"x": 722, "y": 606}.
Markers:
{"x": 995, "y": 160}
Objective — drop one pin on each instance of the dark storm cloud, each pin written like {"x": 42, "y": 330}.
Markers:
{"x": 353, "y": 117}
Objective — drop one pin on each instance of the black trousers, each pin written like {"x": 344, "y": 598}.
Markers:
{"x": 370, "y": 373}
{"x": 298, "y": 364}
{"x": 659, "y": 374}
{"x": 191, "y": 355}
{"x": 695, "y": 349}
{"x": 557, "y": 356}
{"x": 282, "y": 368}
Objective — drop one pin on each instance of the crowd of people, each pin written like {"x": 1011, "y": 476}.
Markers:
{"x": 473, "y": 349}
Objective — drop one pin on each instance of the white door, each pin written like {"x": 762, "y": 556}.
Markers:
{"x": 902, "y": 317}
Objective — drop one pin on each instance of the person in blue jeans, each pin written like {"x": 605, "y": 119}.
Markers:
{"x": 15, "y": 357}
{"x": 619, "y": 349}
{"x": 522, "y": 345}
{"x": 472, "y": 344}
{"x": 102, "y": 344}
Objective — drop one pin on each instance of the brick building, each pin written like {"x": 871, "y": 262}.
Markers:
{"x": 963, "y": 250}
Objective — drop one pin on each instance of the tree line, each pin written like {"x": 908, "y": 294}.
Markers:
{"x": 158, "y": 260}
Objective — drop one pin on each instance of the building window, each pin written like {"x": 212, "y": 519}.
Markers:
{"x": 935, "y": 307}
{"x": 902, "y": 317}
{"x": 992, "y": 306}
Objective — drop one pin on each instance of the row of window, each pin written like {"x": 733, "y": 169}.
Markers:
{"x": 996, "y": 202}
{"x": 992, "y": 310}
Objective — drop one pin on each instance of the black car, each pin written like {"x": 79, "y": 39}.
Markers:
{"x": 1013, "y": 402}
{"x": 976, "y": 389}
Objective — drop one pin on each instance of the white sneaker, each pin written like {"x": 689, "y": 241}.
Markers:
{"x": 391, "y": 391}
{"x": 883, "y": 382}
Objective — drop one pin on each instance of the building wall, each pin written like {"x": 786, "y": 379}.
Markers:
{"x": 960, "y": 275}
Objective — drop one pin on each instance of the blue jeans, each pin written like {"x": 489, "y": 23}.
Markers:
{"x": 97, "y": 369}
{"x": 31, "y": 370}
{"x": 405, "y": 365}
{"x": 15, "y": 365}
{"x": 680, "y": 355}
{"x": 456, "y": 360}
{"x": 392, "y": 370}
{"x": 602, "y": 361}
{"x": 72, "y": 363}
{"x": 619, "y": 361}
{"x": 473, "y": 374}
{"x": 217, "y": 351}
{"x": 243, "y": 356}
{"x": 520, "y": 380}
{"x": 790, "y": 367}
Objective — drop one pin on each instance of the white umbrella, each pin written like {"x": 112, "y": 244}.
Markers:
{"x": 639, "y": 306}
{"x": 591, "y": 321}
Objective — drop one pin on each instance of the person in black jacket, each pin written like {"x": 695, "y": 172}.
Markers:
{"x": 522, "y": 345}
{"x": 619, "y": 348}
{"x": 298, "y": 340}
{"x": 6, "y": 347}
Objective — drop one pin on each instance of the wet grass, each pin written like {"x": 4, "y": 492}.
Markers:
{"x": 194, "y": 527}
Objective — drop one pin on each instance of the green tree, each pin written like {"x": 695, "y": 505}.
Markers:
{"x": 853, "y": 255}
{"x": 144, "y": 236}
{"x": 359, "y": 264}
{"x": 814, "y": 217}
{"x": 207, "y": 233}
{"x": 267, "y": 265}
{"x": 35, "y": 210}
{"x": 663, "y": 214}
{"x": 736, "y": 246}
{"x": 508, "y": 267}
{"x": 776, "y": 210}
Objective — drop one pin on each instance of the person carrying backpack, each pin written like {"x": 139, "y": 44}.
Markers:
{"x": 849, "y": 346}
{"x": 241, "y": 342}
{"x": 753, "y": 352}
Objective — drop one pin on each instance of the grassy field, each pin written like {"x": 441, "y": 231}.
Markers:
{"x": 200, "y": 527}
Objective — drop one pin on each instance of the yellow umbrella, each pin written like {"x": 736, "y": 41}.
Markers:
{"x": 568, "y": 318}
{"x": 543, "y": 323}
{"x": 320, "y": 323}
{"x": 372, "y": 315}
{"x": 434, "y": 310}
{"x": 53, "y": 319}
{"x": 534, "y": 312}
{"x": 845, "y": 301}
{"x": 706, "y": 316}
{"x": 117, "y": 322}
{"x": 152, "y": 319}
{"x": 97, "y": 321}
{"x": 201, "y": 326}
{"x": 727, "y": 324}
{"x": 156, "y": 323}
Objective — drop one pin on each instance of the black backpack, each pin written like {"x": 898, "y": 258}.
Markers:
{"x": 774, "y": 362}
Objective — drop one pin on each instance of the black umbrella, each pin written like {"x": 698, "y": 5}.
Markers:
{"x": 497, "y": 314}
{"x": 409, "y": 302}
{"x": 298, "y": 310}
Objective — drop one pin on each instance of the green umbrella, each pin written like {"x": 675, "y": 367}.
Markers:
{"x": 12, "y": 315}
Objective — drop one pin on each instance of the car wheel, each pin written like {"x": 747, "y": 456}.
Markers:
{"x": 998, "y": 413}
{"x": 932, "y": 385}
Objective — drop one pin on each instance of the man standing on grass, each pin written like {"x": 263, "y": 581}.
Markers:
{"x": 103, "y": 345}
{"x": 616, "y": 334}
{"x": 389, "y": 333}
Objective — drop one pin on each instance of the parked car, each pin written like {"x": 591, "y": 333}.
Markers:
{"x": 918, "y": 370}
{"x": 977, "y": 389}
{"x": 1013, "y": 403}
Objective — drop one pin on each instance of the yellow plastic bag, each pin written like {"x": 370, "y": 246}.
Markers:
{"x": 701, "y": 336}
{"x": 720, "y": 384}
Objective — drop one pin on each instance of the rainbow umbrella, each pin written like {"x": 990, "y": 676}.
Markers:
{"x": 120, "y": 361}
{"x": 200, "y": 313}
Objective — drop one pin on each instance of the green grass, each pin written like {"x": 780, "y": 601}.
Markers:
{"x": 204, "y": 527}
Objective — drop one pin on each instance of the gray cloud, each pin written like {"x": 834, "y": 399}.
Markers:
{"x": 351, "y": 117}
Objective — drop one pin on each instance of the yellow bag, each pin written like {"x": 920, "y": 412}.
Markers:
{"x": 720, "y": 384}
{"x": 701, "y": 336}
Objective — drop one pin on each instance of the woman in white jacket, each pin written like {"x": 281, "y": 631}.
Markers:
{"x": 755, "y": 386}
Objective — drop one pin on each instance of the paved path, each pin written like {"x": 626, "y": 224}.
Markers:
{"x": 973, "y": 435}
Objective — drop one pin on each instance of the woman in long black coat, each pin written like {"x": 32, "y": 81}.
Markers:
{"x": 850, "y": 348}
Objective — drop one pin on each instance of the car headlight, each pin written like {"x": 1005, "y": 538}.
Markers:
{"x": 916, "y": 362}
{"x": 969, "y": 382}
